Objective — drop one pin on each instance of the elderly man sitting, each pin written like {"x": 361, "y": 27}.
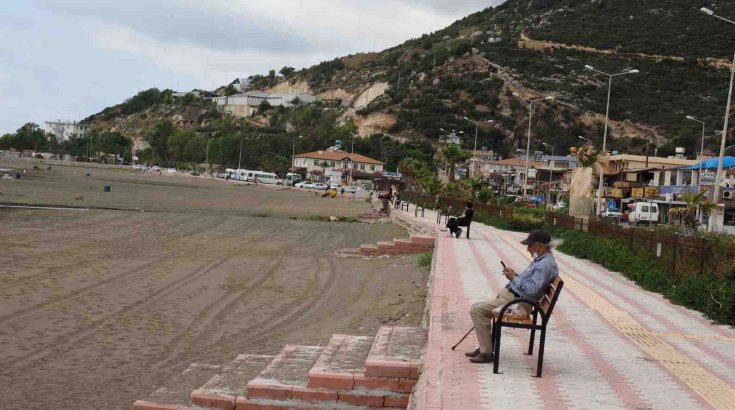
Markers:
{"x": 530, "y": 283}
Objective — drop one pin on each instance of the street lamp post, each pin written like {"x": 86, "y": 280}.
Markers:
{"x": 239, "y": 158}
{"x": 528, "y": 139}
{"x": 477, "y": 126}
{"x": 701, "y": 153}
{"x": 207, "y": 160}
{"x": 551, "y": 161}
{"x": 586, "y": 139}
{"x": 720, "y": 162}
{"x": 293, "y": 153}
{"x": 607, "y": 118}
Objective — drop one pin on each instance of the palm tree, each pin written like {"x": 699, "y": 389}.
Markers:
{"x": 324, "y": 165}
{"x": 688, "y": 213}
{"x": 410, "y": 167}
{"x": 453, "y": 155}
{"x": 588, "y": 156}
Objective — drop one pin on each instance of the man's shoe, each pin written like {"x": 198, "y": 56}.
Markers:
{"x": 459, "y": 233}
{"x": 472, "y": 353}
{"x": 483, "y": 358}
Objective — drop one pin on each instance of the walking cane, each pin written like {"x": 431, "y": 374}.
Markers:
{"x": 463, "y": 338}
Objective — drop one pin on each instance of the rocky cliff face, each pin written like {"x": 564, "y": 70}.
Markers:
{"x": 531, "y": 48}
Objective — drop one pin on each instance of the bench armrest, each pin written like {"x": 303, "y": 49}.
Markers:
{"x": 516, "y": 301}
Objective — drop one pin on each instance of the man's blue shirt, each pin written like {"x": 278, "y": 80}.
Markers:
{"x": 533, "y": 281}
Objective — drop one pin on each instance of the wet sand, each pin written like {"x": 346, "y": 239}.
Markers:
{"x": 102, "y": 306}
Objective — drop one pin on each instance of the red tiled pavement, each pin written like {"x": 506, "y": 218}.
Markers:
{"x": 606, "y": 346}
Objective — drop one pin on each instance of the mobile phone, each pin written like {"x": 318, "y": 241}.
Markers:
{"x": 504, "y": 267}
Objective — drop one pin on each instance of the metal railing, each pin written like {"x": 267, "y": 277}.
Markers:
{"x": 681, "y": 255}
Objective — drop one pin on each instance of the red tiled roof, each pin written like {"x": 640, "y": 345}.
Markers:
{"x": 516, "y": 162}
{"x": 338, "y": 156}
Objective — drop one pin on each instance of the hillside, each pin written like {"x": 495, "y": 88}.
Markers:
{"x": 413, "y": 90}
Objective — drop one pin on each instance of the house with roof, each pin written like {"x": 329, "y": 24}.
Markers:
{"x": 319, "y": 163}
{"x": 246, "y": 104}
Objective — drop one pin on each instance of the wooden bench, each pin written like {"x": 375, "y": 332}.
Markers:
{"x": 543, "y": 309}
{"x": 443, "y": 213}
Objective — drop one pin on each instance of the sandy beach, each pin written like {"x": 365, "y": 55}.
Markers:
{"x": 104, "y": 305}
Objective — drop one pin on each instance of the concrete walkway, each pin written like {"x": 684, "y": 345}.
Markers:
{"x": 610, "y": 344}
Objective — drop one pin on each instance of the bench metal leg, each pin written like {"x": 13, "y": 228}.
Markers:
{"x": 533, "y": 335}
{"x": 530, "y": 342}
{"x": 468, "y": 231}
{"x": 542, "y": 339}
{"x": 496, "y": 347}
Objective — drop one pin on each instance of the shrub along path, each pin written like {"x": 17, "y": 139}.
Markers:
{"x": 610, "y": 343}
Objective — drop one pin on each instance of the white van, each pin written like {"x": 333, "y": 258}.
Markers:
{"x": 292, "y": 179}
{"x": 266, "y": 178}
{"x": 644, "y": 212}
{"x": 244, "y": 175}
{"x": 229, "y": 172}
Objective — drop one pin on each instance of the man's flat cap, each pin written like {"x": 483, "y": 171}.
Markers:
{"x": 537, "y": 236}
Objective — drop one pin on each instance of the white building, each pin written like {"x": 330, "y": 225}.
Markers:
{"x": 336, "y": 161}
{"x": 63, "y": 130}
{"x": 245, "y": 105}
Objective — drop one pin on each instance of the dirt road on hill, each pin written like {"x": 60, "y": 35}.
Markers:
{"x": 99, "y": 307}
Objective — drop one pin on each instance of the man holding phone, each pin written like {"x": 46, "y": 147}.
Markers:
{"x": 530, "y": 283}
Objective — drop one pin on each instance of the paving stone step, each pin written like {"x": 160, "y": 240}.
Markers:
{"x": 342, "y": 358}
{"x": 352, "y": 251}
{"x": 175, "y": 395}
{"x": 346, "y": 401}
{"x": 396, "y": 352}
{"x": 341, "y": 366}
{"x": 222, "y": 389}
{"x": 422, "y": 239}
{"x": 287, "y": 371}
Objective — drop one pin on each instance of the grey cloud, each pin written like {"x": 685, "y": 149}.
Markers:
{"x": 177, "y": 21}
{"x": 453, "y": 6}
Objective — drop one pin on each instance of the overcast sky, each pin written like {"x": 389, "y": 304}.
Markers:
{"x": 67, "y": 59}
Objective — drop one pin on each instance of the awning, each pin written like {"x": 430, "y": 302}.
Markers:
{"x": 727, "y": 162}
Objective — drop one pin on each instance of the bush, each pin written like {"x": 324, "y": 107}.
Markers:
{"x": 519, "y": 222}
{"x": 424, "y": 259}
{"x": 709, "y": 293}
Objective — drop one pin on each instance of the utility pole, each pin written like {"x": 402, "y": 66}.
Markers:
{"x": 352, "y": 158}
{"x": 207, "y": 160}
{"x": 398, "y": 86}
{"x": 239, "y": 160}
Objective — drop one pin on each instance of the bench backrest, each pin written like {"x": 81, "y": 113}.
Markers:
{"x": 552, "y": 294}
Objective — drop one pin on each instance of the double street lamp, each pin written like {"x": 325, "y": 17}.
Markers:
{"x": 701, "y": 152}
{"x": 528, "y": 139}
{"x": 477, "y": 125}
{"x": 718, "y": 176}
{"x": 607, "y": 118}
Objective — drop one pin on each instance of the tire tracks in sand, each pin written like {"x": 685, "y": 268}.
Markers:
{"x": 91, "y": 330}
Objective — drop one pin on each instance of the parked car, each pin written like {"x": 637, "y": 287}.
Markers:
{"x": 319, "y": 186}
{"x": 305, "y": 185}
{"x": 612, "y": 213}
